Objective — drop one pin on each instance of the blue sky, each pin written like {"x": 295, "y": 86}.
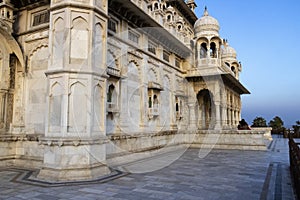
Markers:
{"x": 266, "y": 36}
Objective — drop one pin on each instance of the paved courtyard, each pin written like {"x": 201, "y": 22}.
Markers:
{"x": 222, "y": 174}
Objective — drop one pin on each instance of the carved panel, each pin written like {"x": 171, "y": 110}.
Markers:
{"x": 79, "y": 40}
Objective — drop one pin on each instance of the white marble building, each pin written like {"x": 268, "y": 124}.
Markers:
{"x": 84, "y": 82}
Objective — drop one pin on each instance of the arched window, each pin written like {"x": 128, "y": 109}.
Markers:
{"x": 169, "y": 17}
{"x": 155, "y": 100}
{"x": 111, "y": 89}
{"x": 156, "y": 6}
{"x": 233, "y": 69}
{"x": 179, "y": 27}
{"x": 177, "y": 104}
{"x": 203, "y": 50}
{"x": 150, "y": 102}
{"x": 213, "y": 50}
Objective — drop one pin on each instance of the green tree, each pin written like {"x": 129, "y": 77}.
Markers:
{"x": 259, "y": 122}
{"x": 297, "y": 128}
{"x": 277, "y": 125}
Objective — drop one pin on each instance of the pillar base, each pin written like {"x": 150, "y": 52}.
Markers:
{"x": 73, "y": 174}
{"x": 71, "y": 159}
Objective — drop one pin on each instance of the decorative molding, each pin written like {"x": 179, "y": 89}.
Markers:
{"x": 37, "y": 36}
{"x": 72, "y": 141}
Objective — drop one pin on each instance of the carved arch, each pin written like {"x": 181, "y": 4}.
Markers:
{"x": 79, "y": 23}
{"x": 36, "y": 48}
{"x": 58, "y": 24}
{"x": 152, "y": 72}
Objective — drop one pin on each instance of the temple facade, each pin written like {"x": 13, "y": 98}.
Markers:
{"x": 85, "y": 82}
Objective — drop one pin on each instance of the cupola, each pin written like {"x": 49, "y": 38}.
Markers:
{"x": 206, "y": 25}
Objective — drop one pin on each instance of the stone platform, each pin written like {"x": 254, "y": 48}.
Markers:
{"x": 221, "y": 174}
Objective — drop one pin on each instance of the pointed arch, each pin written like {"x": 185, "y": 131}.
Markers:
{"x": 55, "y": 107}
{"x": 10, "y": 43}
{"x": 98, "y": 108}
{"x": 77, "y": 110}
{"x": 79, "y": 40}
{"x": 80, "y": 23}
{"x": 58, "y": 24}
{"x": 206, "y": 106}
{"x": 111, "y": 59}
{"x": 98, "y": 45}
{"x": 152, "y": 75}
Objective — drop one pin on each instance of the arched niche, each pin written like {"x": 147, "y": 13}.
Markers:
{"x": 55, "y": 107}
{"x": 166, "y": 103}
{"x": 79, "y": 40}
{"x": 98, "y": 45}
{"x": 111, "y": 59}
{"x": 36, "y": 87}
{"x": 58, "y": 42}
{"x": 98, "y": 109}
{"x": 77, "y": 110}
{"x": 134, "y": 97}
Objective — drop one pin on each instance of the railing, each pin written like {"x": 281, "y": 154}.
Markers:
{"x": 294, "y": 153}
{"x": 209, "y": 61}
{"x": 153, "y": 112}
{"x": 154, "y": 85}
{"x": 112, "y": 107}
{"x": 178, "y": 115}
{"x": 113, "y": 71}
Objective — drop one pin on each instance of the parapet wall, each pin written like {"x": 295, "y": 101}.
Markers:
{"x": 27, "y": 150}
{"x": 122, "y": 149}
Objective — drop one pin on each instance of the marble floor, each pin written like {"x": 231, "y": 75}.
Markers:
{"x": 221, "y": 174}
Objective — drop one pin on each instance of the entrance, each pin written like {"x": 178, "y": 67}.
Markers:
{"x": 206, "y": 107}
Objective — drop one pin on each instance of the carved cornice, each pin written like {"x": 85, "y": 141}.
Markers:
{"x": 19, "y": 137}
{"x": 53, "y": 141}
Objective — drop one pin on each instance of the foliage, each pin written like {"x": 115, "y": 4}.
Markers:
{"x": 277, "y": 125}
{"x": 259, "y": 122}
{"x": 297, "y": 127}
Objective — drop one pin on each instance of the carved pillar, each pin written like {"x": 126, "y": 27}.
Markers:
{"x": 218, "y": 115}
{"x": 231, "y": 118}
{"x": 143, "y": 91}
{"x": 228, "y": 117}
{"x": 123, "y": 126}
{"x": 10, "y": 99}
{"x": 76, "y": 111}
{"x": 224, "y": 116}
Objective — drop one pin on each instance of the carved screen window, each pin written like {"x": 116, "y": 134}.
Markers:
{"x": 112, "y": 25}
{"x": 166, "y": 56}
{"x": 40, "y": 18}
{"x": 152, "y": 47}
{"x": 178, "y": 62}
{"x": 134, "y": 37}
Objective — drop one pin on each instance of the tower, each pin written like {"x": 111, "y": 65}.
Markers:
{"x": 6, "y": 12}
{"x": 191, "y": 4}
{"x": 75, "y": 139}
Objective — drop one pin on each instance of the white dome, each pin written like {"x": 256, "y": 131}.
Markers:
{"x": 228, "y": 51}
{"x": 207, "y": 25}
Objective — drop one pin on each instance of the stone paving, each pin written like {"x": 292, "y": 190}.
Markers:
{"x": 222, "y": 174}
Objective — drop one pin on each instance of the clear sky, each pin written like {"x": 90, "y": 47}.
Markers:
{"x": 266, "y": 36}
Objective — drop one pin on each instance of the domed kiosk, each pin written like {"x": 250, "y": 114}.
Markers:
{"x": 206, "y": 25}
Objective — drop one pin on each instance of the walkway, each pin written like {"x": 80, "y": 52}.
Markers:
{"x": 222, "y": 174}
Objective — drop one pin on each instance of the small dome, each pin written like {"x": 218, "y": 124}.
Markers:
{"x": 228, "y": 51}
{"x": 207, "y": 25}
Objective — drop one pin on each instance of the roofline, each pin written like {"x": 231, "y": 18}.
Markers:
{"x": 152, "y": 27}
{"x": 183, "y": 7}
{"x": 227, "y": 79}
{"x": 239, "y": 87}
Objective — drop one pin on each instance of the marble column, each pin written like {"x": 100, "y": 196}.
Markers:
{"x": 75, "y": 135}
